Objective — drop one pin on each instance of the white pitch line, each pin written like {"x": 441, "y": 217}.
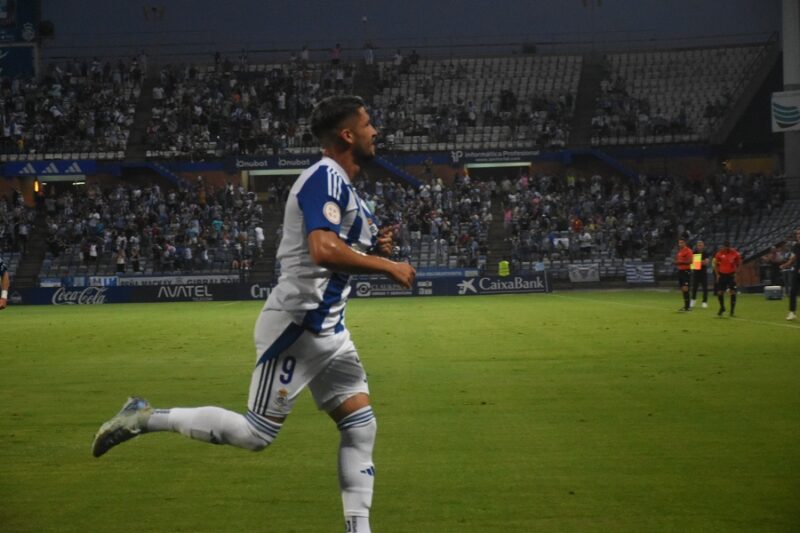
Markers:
{"x": 231, "y": 303}
{"x": 625, "y": 304}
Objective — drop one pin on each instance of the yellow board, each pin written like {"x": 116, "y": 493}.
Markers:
{"x": 697, "y": 261}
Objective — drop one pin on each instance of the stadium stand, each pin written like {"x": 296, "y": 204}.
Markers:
{"x": 609, "y": 220}
{"x": 172, "y": 231}
{"x": 77, "y": 110}
{"x": 669, "y": 96}
{"x": 226, "y": 109}
{"x": 437, "y": 226}
{"x": 86, "y": 110}
{"x": 478, "y": 102}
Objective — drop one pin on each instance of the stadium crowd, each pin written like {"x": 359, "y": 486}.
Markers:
{"x": 449, "y": 221}
{"x": 185, "y": 229}
{"x": 232, "y": 110}
{"x": 16, "y": 223}
{"x": 453, "y": 220}
{"x": 77, "y": 106}
{"x": 580, "y": 217}
{"x": 618, "y": 113}
{"x": 420, "y": 110}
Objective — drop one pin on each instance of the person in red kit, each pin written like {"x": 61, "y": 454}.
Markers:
{"x": 726, "y": 263}
{"x": 683, "y": 261}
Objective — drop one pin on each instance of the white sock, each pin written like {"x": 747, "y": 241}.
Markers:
{"x": 217, "y": 426}
{"x": 356, "y": 524}
{"x": 356, "y": 470}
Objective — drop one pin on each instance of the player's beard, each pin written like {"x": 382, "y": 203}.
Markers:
{"x": 363, "y": 154}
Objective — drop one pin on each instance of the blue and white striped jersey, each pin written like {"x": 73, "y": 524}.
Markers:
{"x": 3, "y": 267}
{"x": 321, "y": 198}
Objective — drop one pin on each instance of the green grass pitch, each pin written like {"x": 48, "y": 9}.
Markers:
{"x": 574, "y": 411}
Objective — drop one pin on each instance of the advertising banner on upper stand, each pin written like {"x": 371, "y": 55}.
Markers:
{"x": 785, "y": 111}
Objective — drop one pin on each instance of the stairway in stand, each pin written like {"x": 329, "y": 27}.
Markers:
{"x": 137, "y": 139}
{"x": 31, "y": 263}
{"x": 263, "y": 270}
{"x": 499, "y": 247}
{"x": 592, "y": 74}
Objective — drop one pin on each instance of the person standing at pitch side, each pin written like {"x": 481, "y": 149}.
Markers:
{"x": 683, "y": 262}
{"x": 726, "y": 263}
{"x": 794, "y": 263}
{"x": 300, "y": 336}
{"x": 700, "y": 273}
{"x": 5, "y": 283}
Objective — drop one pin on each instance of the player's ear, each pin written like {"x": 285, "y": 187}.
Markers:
{"x": 346, "y": 134}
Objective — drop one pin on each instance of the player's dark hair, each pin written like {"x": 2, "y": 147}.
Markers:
{"x": 329, "y": 114}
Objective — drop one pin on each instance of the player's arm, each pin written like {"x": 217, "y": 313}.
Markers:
{"x": 789, "y": 262}
{"x": 329, "y": 251}
{"x": 5, "y": 283}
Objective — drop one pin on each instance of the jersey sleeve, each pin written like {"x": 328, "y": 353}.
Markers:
{"x": 3, "y": 268}
{"x": 323, "y": 199}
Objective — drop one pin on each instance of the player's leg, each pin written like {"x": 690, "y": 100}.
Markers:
{"x": 721, "y": 295}
{"x": 795, "y": 278}
{"x": 215, "y": 425}
{"x": 275, "y": 333}
{"x": 683, "y": 280}
{"x": 695, "y": 280}
{"x": 342, "y": 391}
{"x": 704, "y": 281}
{"x": 357, "y": 429}
{"x": 732, "y": 288}
{"x": 275, "y": 336}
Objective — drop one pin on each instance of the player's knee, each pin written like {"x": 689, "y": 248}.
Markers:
{"x": 261, "y": 432}
{"x": 359, "y": 428}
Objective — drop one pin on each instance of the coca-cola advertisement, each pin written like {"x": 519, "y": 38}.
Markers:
{"x": 72, "y": 296}
{"x": 85, "y": 296}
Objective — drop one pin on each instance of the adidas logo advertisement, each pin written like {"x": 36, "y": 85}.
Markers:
{"x": 50, "y": 168}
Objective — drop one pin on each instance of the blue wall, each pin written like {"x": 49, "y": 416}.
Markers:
{"x": 86, "y": 27}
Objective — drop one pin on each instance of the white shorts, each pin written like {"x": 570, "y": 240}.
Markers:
{"x": 289, "y": 357}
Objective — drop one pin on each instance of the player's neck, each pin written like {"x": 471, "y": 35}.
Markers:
{"x": 345, "y": 160}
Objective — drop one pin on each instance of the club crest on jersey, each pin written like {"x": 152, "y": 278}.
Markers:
{"x": 282, "y": 397}
{"x": 332, "y": 212}
{"x": 372, "y": 227}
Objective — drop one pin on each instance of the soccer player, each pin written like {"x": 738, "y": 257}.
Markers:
{"x": 700, "y": 273}
{"x": 5, "y": 283}
{"x": 726, "y": 263}
{"x": 794, "y": 263}
{"x": 300, "y": 335}
{"x": 683, "y": 261}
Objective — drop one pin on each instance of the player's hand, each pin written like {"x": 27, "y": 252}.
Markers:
{"x": 403, "y": 273}
{"x": 385, "y": 243}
